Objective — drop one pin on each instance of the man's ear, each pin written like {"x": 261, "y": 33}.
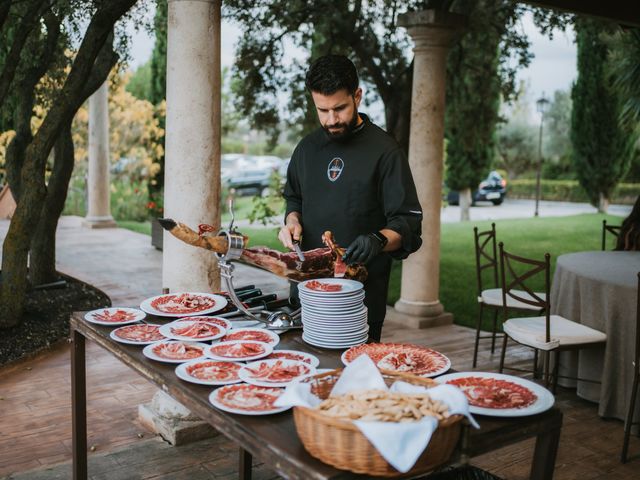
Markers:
{"x": 357, "y": 96}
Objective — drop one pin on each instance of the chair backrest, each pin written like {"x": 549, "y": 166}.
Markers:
{"x": 636, "y": 357}
{"x": 486, "y": 255}
{"x": 515, "y": 275}
{"x": 612, "y": 229}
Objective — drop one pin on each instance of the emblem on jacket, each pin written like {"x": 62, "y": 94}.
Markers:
{"x": 334, "y": 169}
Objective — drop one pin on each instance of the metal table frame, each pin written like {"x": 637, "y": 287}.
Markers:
{"x": 273, "y": 437}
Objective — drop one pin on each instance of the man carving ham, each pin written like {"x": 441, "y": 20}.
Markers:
{"x": 352, "y": 178}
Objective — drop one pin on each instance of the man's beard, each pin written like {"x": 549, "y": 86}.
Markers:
{"x": 346, "y": 129}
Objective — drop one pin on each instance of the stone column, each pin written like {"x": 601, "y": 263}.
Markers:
{"x": 192, "y": 142}
{"x": 192, "y": 178}
{"x": 98, "y": 183}
{"x": 433, "y": 32}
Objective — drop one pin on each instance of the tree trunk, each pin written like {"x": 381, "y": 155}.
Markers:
{"x": 465, "y": 204}
{"x": 603, "y": 203}
{"x": 42, "y": 262}
{"x": 15, "y": 250}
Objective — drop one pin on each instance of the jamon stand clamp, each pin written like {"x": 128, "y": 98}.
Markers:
{"x": 278, "y": 320}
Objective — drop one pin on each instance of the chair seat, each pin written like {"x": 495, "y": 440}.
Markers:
{"x": 531, "y": 331}
{"x": 493, "y": 296}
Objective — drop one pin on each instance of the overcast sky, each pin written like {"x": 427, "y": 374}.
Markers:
{"x": 552, "y": 68}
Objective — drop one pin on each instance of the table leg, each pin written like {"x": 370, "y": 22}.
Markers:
{"x": 78, "y": 406}
{"x": 244, "y": 468}
{"x": 544, "y": 456}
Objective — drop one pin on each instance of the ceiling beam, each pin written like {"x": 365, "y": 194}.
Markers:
{"x": 624, "y": 12}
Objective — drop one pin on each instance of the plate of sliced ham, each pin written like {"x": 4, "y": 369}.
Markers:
{"x": 401, "y": 357}
{"x": 139, "y": 334}
{"x": 330, "y": 287}
{"x": 247, "y": 399}
{"x": 238, "y": 350}
{"x": 499, "y": 395}
{"x": 223, "y": 322}
{"x": 254, "y": 334}
{"x": 114, "y": 316}
{"x": 174, "y": 351}
{"x": 183, "y": 304}
{"x": 295, "y": 355}
{"x": 278, "y": 372}
{"x": 209, "y": 372}
{"x": 192, "y": 331}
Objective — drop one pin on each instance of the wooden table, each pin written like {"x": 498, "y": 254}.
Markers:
{"x": 273, "y": 438}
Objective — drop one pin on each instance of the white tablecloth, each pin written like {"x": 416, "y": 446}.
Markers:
{"x": 599, "y": 289}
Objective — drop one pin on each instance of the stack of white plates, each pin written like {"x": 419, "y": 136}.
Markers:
{"x": 335, "y": 317}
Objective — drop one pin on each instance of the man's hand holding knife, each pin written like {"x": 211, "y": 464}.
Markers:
{"x": 291, "y": 234}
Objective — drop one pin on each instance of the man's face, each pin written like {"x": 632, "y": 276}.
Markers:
{"x": 338, "y": 112}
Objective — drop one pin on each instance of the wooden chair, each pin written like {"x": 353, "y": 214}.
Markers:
{"x": 628, "y": 421}
{"x": 547, "y": 333}
{"x": 487, "y": 265}
{"x": 612, "y": 229}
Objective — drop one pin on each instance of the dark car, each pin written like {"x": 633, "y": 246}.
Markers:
{"x": 492, "y": 189}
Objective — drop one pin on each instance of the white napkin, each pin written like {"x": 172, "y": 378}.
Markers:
{"x": 400, "y": 444}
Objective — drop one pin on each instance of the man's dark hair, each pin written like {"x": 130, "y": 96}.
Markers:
{"x": 331, "y": 73}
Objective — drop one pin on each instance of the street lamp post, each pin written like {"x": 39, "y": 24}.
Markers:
{"x": 542, "y": 105}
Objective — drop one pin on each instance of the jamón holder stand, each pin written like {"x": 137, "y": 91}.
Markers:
{"x": 278, "y": 320}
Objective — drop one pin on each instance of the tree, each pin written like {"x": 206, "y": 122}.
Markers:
{"x": 40, "y": 52}
{"x": 557, "y": 142}
{"x": 139, "y": 84}
{"x": 158, "y": 91}
{"x": 600, "y": 149}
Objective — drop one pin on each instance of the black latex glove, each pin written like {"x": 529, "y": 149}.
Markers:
{"x": 362, "y": 249}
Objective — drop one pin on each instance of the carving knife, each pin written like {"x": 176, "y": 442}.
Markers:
{"x": 298, "y": 250}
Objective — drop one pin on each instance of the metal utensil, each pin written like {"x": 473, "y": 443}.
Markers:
{"x": 298, "y": 250}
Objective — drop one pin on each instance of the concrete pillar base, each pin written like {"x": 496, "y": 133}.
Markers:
{"x": 99, "y": 222}
{"x": 417, "y": 321}
{"x": 172, "y": 421}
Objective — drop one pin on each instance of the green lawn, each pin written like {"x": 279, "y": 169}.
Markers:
{"x": 458, "y": 290}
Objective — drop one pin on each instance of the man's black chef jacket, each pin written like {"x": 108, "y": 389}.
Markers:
{"x": 355, "y": 186}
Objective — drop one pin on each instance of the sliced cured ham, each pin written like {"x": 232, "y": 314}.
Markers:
{"x": 289, "y": 355}
{"x": 114, "y": 316}
{"x": 196, "y": 330}
{"x": 183, "y": 304}
{"x": 139, "y": 333}
{"x": 278, "y": 371}
{"x": 248, "y": 398}
{"x": 494, "y": 393}
{"x": 177, "y": 351}
{"x": 239, "y": 350}
{"x": 213, "y": 370}
{"x": 398, "y": 357}
{"x": 323, "y": 287}
{"x": 255, "y": 335}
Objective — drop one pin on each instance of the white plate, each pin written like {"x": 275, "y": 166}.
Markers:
{"x": 223, "y": 322}
{"x": 274, "y": 338}
{"x": 309, "y": 359}
{"x": 396, "y": 347}
{"x": 181, "y": 372}
{"x": 148, "y": 352}
{"x": 166, "y": 331}
{"x": 333, "y": 312}
{"x": 267, "y": 350}
{"x": 331, "y": 345}
{"x": 132, "y": 342}
{"x": 339, "y": 336}
{"x": 346, "y": 319}
{"x": 348, "y": 286}
{"x": 318, "y": 300}
{"x": 246, "y": 375}
{"x": 220, "y": 303}
{"x": 543, "y": 403}
{"x": 213, "y": 398}
{"x": 89, "y": 316}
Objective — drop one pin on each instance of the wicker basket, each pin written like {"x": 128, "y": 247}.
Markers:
{"x": 341, "y": 444}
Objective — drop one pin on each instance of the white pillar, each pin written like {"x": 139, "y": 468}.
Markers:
{"x": 98, "y": 182}
{"x": 192, "y": 142}
{"x": 433, "y": 33}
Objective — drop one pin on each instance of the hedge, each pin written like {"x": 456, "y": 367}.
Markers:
{"x": 568, "y": 191}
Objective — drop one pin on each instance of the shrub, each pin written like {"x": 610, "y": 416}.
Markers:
{"x": 568, "y": 191}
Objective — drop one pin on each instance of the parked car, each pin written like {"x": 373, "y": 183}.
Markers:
{"x": 492, "y": 189}
{"x": 251, "y": 174}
